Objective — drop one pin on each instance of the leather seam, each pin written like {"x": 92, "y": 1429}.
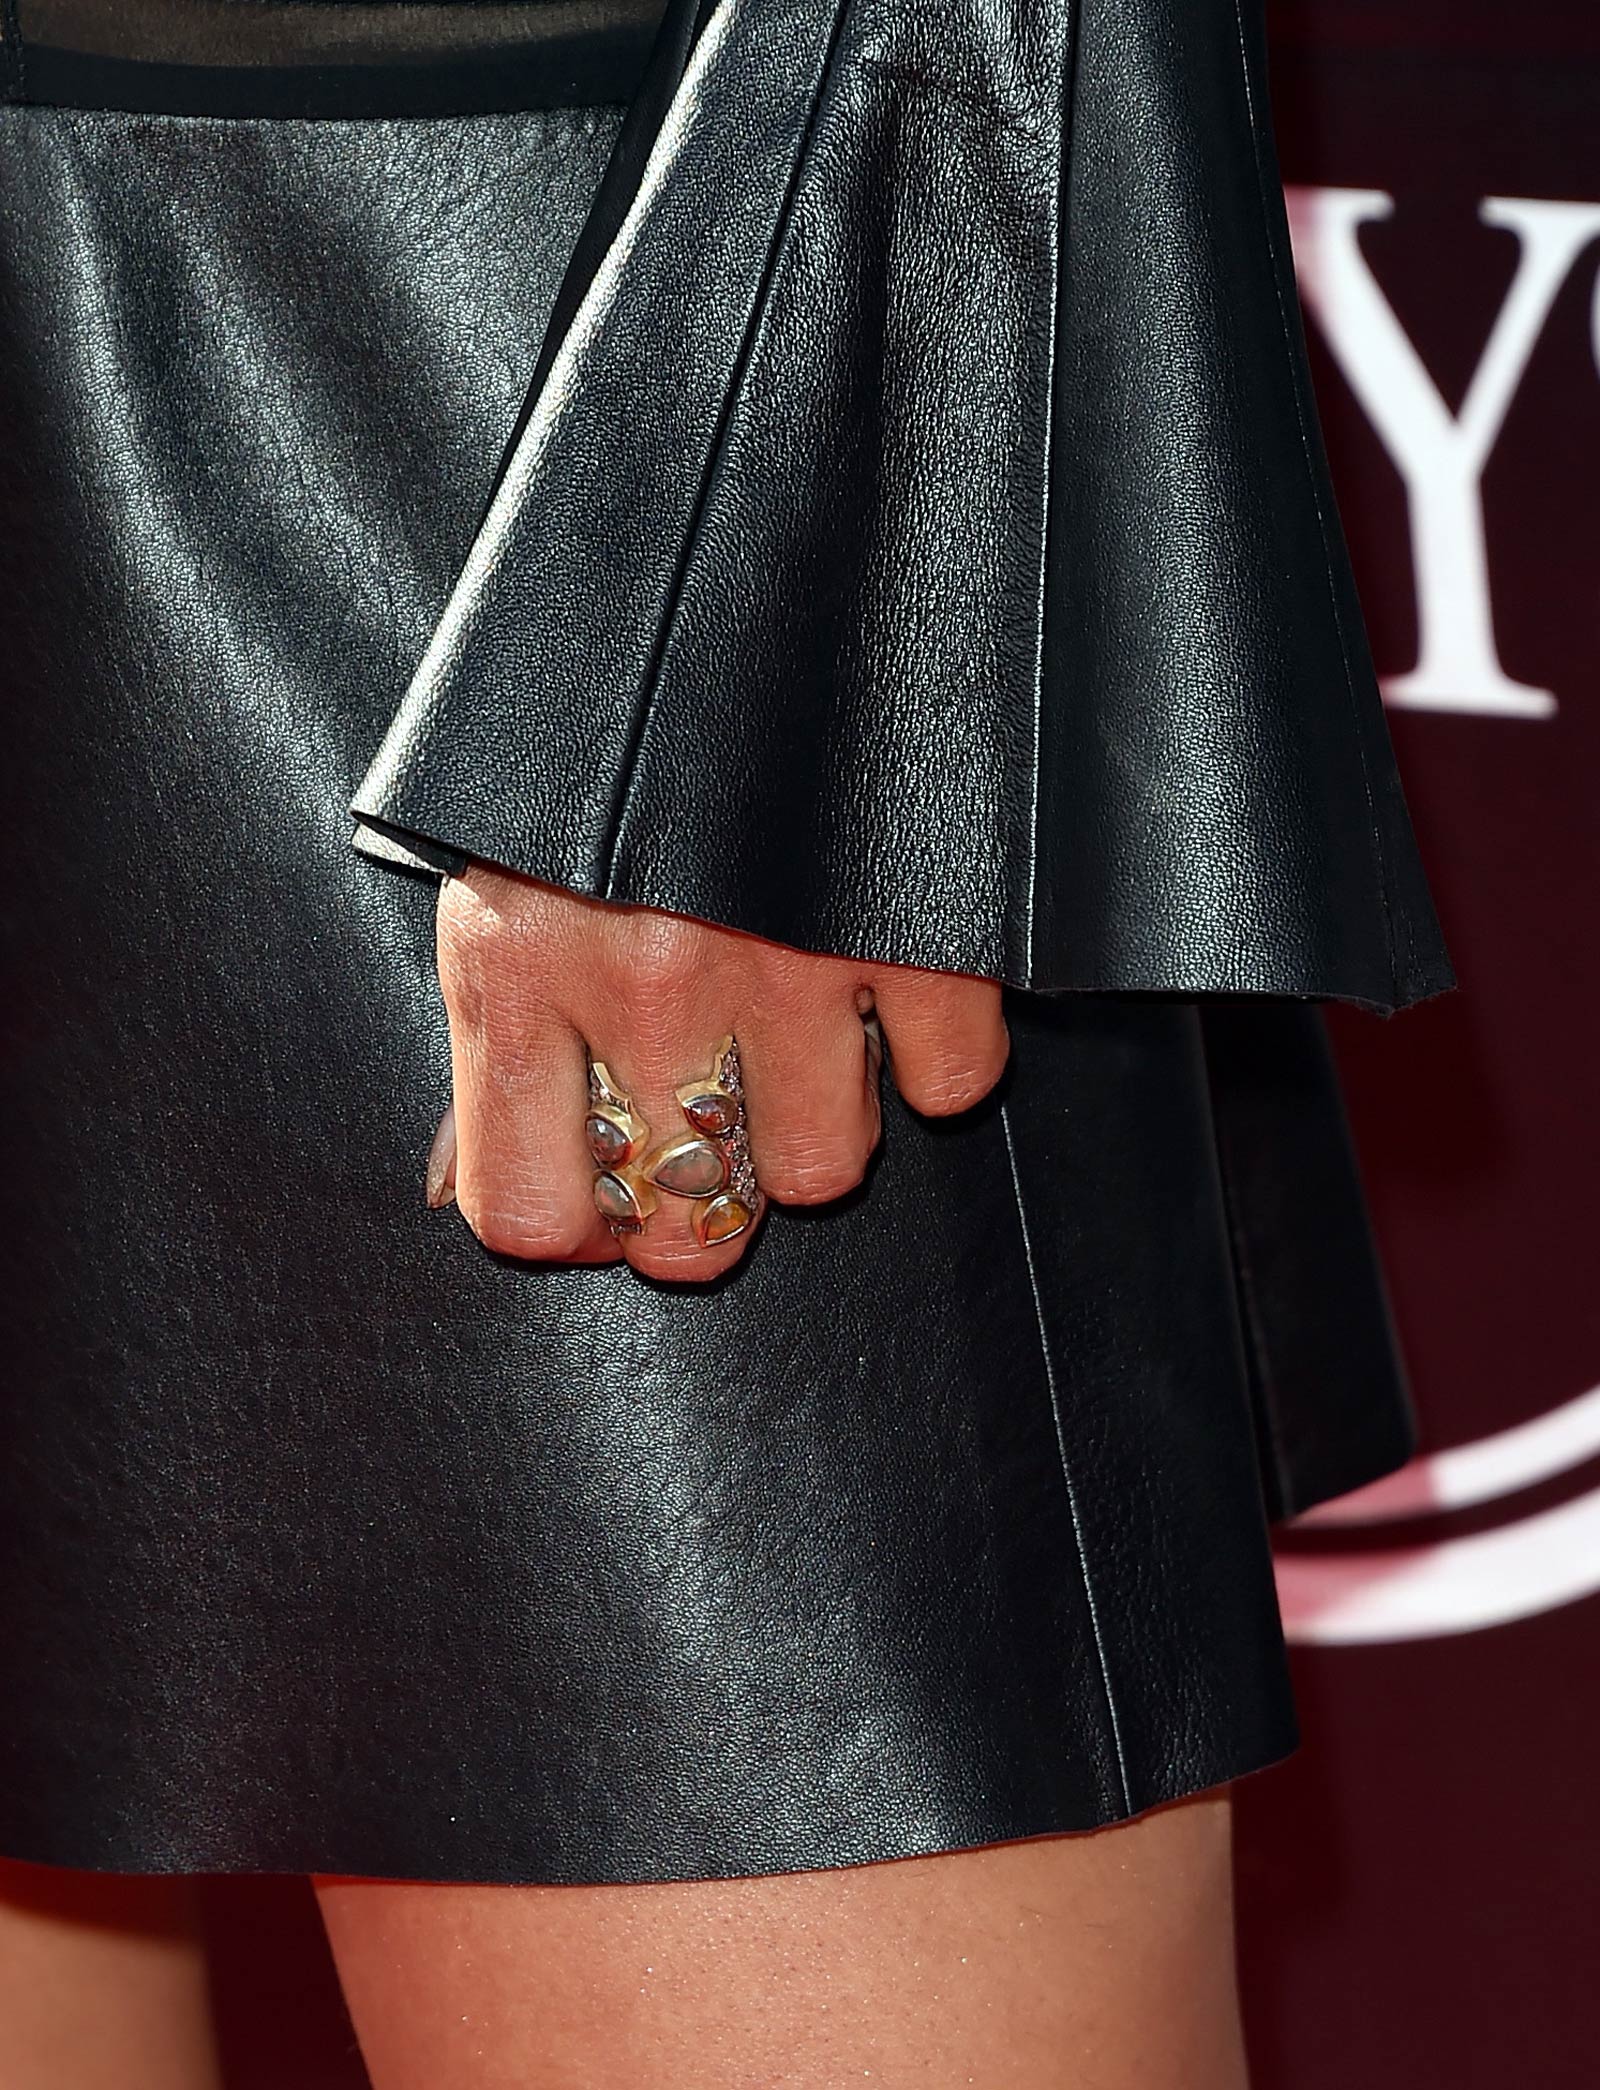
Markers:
{"x": 1047, "y": 474}
{"x": 1250, "y": 1323}
{"x": 1379, "y": 878}
{"x": 735, "y": 392}
{"x": 1090, "y": 1599}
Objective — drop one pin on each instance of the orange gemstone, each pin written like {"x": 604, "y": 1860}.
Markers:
{"x": 723, "y": 1219}
{"x": 712, "y": 1112}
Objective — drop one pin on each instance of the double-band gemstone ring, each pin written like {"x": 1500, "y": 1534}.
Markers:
{"x": 709, "y": 1163}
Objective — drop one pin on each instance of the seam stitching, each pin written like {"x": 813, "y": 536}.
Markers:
{"x": 1256, "y": 135}
{"x": 1066, "y": 1469}
{"x": 735, "y": 391}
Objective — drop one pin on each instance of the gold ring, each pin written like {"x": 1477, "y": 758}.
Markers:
{"x": 711, "y": 1163}
{"x": 617, "y": 1135}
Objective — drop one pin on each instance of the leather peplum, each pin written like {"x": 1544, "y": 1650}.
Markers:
{"x": 917, "y": 542}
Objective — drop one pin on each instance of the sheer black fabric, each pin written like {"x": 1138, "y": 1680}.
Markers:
{"x": 329, "y": 58}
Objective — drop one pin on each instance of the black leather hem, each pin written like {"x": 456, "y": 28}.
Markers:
{"x": 377, "y": 1852}
{"x": 411, "y": 852}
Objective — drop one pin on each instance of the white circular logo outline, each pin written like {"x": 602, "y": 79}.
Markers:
{"x": 1457, "y": 1585}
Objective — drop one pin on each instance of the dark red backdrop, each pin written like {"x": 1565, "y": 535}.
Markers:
{"x": 1419, "y": 1886}
{"x": 1417, "y": 1893}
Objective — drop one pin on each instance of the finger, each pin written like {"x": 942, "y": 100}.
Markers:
{"x": 814, "y": 1117}
{"x": 655, "y": 1011}
{"x": 440, "y": 1175}
{"x": 524, "y": 1175}
{"x": 947, "y": 1036}
{"x": 873, "y": 1027}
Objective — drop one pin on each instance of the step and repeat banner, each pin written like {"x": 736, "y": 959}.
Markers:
{"x": 1421, "y": 1887}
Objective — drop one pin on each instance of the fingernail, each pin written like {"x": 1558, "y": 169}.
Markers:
{"x": 441, "y": 1178}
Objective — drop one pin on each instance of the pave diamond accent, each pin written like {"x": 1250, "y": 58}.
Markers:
{"x": 717, "y": 1107}
{"x": 741, "y": 1169}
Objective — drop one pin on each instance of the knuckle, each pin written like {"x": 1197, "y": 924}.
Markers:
{"x": 461, "y": 984}
{"x": 813, "y": 1175}
{"x": 942, "y": 1087}
{"x": 532, "y": 1232}
{"x": 509, "y": 1055}
{"x": 488, "y": 985}
{"x": 656, "y": 959}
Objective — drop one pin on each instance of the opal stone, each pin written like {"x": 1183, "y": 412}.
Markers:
{"x": 614, "y": 1200}
{"x": 711, "y": 1112}
{"x": 723, "y": 1219}
{"x": 693, "y": 1168}
{"x": 608, "y": 1143}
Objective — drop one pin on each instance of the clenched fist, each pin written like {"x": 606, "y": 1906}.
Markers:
{"x": 537, "y": 979}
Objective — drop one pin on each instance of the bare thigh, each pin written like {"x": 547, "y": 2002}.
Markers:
{"x": 1095, "y": 1962}
{"x": 102, "y": 1983}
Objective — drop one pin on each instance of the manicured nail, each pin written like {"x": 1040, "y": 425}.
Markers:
{"x": 442, "y": 1161}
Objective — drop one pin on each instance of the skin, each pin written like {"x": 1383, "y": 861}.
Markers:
{"x": 1099, "y": 1962}
{"x": 102, "y": 1983}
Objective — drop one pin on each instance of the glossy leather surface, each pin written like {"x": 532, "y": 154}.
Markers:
{"x": 329, "y": 1541}
{"x": 920, "y": 544}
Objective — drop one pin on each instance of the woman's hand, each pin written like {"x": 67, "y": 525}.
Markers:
{"x": 532, "y": 975}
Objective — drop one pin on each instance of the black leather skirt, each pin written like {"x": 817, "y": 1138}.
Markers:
{"x": 330, "y": 1541}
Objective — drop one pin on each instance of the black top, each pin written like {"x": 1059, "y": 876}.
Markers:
{"x": 328, "y": 58}
{"x": 917, "y": 540}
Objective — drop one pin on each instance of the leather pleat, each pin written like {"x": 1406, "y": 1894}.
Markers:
{"x": 920, "y": 544}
